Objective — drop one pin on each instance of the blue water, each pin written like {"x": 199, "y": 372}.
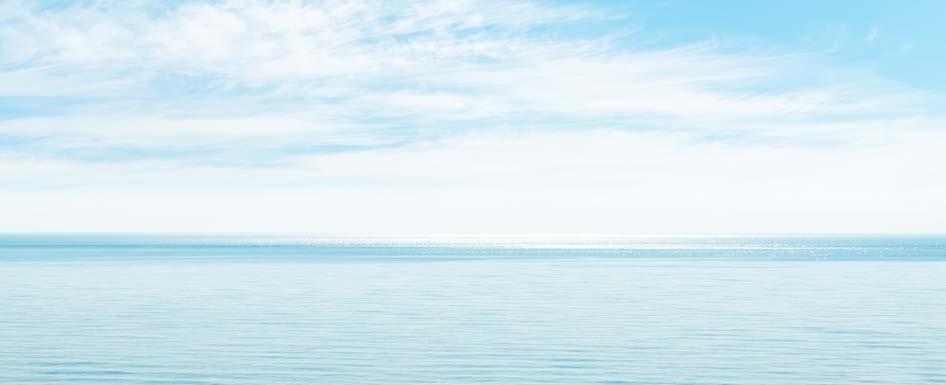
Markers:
{"x": 248, "y": 309}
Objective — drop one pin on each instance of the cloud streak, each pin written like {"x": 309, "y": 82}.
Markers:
{"x": 492, "y": 102}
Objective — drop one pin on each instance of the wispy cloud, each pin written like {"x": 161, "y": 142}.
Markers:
{"x": 415, "y": 64}
{"x": 322, "y": 97}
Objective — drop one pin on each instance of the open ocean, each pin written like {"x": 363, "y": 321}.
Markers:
{"x": 228, "y": 309}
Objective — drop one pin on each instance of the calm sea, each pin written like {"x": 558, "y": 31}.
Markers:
{"x": 227, "y": 309}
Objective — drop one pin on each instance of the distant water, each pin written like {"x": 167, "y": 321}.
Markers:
{"x": 223, "y": 309}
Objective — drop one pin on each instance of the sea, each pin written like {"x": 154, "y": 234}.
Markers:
{"x": 230, "y": 309}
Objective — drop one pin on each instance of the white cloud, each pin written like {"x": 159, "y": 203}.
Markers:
{"x": 460, "y": 116}
{"x": 425, "y": 59}
{"x": 599, "y": 181}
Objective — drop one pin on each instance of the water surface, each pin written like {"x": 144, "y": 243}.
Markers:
{"x": 224, "y": 309}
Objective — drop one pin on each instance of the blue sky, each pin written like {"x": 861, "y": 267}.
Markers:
{"x": 499, "y": 117}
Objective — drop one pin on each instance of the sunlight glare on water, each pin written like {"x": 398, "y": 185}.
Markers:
{"x": 219, "y": 310}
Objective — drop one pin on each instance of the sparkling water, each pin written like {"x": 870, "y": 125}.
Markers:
{"x": 228, "y": 309}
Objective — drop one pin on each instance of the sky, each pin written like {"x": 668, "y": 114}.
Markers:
{"x": 473, "y": 117}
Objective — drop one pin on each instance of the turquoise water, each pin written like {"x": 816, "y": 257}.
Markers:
{"x": 223, "y": 309}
